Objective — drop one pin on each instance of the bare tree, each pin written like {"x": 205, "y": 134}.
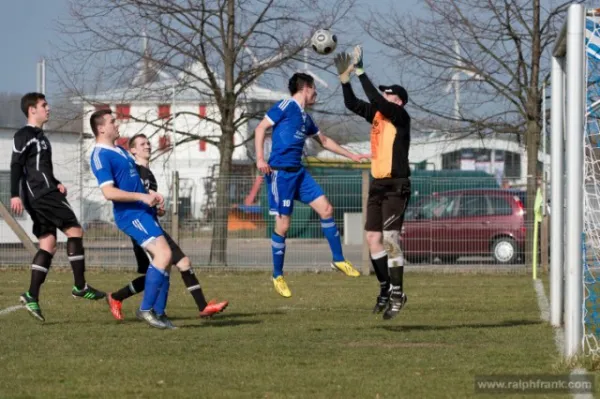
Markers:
{"x": 496, "y": 53}
{"x": 217, "y": 49}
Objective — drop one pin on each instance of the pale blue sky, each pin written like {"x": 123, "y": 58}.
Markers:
{"x": 25, "y": 44}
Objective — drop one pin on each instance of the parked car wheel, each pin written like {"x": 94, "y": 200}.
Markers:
{"x": 504, "y": 250}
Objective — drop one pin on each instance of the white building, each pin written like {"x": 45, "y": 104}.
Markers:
{"x": 66, "y": 150}
{"x": 148, "y": 108}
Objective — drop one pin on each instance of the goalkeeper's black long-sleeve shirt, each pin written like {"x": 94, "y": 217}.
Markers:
{"x": 390, "y": 131}
{"x": 31, "y": 164}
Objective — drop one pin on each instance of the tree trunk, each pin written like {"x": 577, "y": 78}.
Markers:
{"x": 218, "y": 247}
{"x": 532, "y": 141}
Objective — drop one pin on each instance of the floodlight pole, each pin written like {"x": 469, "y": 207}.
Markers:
{"x": 557, "y": 193}
{"x": 575, "y": 129}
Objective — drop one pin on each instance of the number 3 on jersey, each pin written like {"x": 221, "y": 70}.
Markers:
{"x": 287, "y": 203}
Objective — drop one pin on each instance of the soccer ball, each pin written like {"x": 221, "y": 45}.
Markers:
{"x": 323, "y": 41}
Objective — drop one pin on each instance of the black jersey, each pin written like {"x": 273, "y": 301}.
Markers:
{"x": 31, "y": 164}
{"x": 147, "y": 178}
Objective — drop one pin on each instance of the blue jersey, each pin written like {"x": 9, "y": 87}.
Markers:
{"x": 291, "y": 127}
{"x": 114, "y": 165}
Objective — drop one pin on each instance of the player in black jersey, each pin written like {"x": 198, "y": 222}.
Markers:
{"x": 34, "y": 187}
{"x": 139, "y": 146}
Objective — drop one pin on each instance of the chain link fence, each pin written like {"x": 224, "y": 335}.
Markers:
{"x": 453, "y": 220}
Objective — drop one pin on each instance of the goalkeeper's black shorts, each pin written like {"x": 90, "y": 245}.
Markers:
{"x": 388, "y": 199}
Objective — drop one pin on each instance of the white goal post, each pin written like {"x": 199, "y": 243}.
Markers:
{"x": 568, "y": 80}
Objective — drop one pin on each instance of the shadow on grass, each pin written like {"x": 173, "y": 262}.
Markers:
{"x": 505, "y": 323}
{"x": 226, "y": 315}
{"x": 222, "y": 323}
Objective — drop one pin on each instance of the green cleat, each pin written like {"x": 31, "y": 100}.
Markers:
{"x": 88, "y": 292}
{"x": 33, "y": 307}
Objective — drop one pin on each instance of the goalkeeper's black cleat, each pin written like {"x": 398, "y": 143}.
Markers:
{"x": 88, "y": 292}
{"x": 381, "y": 304}
{"x": 397, "y": 301}
{"x": 33, "y": 307}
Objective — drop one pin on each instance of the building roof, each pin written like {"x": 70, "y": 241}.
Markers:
{"x": 151, "y": 86}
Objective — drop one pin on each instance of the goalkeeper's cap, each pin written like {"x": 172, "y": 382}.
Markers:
{"x": 397, "y": 90}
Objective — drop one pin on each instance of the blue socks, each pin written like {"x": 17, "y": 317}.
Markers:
{"x": 154, "y": 282}
{"x": 333, "y": 237}
{"x": 161, "y": 301}
{"x": 278, "y": 250}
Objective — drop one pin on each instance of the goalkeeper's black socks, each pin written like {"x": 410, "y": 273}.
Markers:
{"x": 380, "y": 265}
{"x": 396, "y": 278}
{"x": 134, "y": 287}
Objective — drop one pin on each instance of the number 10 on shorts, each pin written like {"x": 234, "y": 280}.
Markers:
{"x": 287, "y": 203}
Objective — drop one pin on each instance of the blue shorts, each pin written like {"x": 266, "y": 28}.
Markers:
{"x": 143, "y": 229}
{"x": 285, "y": 187}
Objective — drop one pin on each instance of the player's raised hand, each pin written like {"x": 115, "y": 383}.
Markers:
{"x": 357, "y": 59}
{"x": 263, "y": 166}
{"x": 16, "y": 205}
{"x": 343, "y": 63}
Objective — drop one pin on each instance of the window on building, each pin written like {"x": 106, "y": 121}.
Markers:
{"x": 123, "y": 111}
{"x": 164, "y": 111}
{"x": 123, "y": 142}
{"x": 164, "y": 142}
{"x": 98, "y": 107}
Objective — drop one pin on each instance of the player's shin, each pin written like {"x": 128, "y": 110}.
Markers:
{"x": 76, "y": 255}
{"x": 278, "y": 250}
{"x": 39, "y": 270}
{"x": 154, "y": 281}
{"x": 163, "y": 295}
{"x": 135, "y": 286}
{"x": 379, "y": 261}
{"x": 333, "y": 236}
{"x": 193, "y": 286}
{"x": 391, "y": 242}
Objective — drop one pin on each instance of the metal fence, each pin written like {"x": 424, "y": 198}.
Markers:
{"x": 451, "y": 220}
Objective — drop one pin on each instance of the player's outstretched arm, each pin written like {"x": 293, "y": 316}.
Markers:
{"x": 395, "y": 113}
{"x": 345, "y": 67}
{"x": 259, "y": 145}
{"x": 331, "y": 145}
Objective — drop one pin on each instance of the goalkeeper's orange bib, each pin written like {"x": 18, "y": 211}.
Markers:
{"x": 383, "y": 134}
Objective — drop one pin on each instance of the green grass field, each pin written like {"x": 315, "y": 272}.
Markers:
{"x": 321, "y": 343}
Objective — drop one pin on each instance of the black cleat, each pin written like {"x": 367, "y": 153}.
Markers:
{"x": 32, "y": 306}
{"x": 88, "y": 292}
{"x": 397, "y": 302}
{"x": 381, "y": 304}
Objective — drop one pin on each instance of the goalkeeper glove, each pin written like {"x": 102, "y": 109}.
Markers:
{"x": 357, "y": 60}
{"x": 344, "y": 65}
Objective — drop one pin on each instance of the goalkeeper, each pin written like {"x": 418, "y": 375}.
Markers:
{"x": 389, "y": 192}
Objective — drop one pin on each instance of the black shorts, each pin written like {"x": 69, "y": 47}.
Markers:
{"x": 388, "y": 199}
{"x": 143, "y": 259}
{"x": 50, "y": 212}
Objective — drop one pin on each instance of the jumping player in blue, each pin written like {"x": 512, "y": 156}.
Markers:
{"x": 134, "y": 212}
{"x": 287, "y": 178}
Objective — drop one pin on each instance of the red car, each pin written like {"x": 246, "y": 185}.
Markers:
{"x": 451, "y": 224}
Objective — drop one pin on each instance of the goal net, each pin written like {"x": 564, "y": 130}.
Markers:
{"x": 591, "y": 191}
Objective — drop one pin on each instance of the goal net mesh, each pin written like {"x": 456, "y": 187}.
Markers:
{"x": 591, "y": 197}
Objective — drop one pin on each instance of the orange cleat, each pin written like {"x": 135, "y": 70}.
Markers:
{"x": 115, "y": 307}
{"x": 212, "y": 308}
